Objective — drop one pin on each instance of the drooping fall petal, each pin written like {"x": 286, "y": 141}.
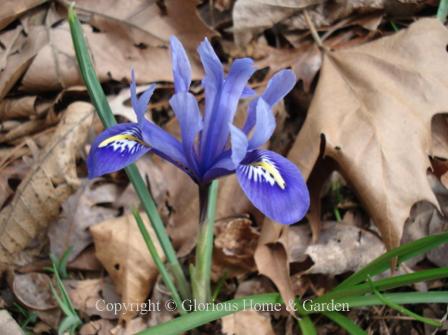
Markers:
{"x": 274, "y": 185}
{"x": 116, "y": 148}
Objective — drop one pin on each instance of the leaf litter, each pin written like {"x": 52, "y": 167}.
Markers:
{"x": 375, "y": 116}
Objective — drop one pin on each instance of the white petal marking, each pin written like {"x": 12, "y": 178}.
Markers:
{"x": 264, "y": 170}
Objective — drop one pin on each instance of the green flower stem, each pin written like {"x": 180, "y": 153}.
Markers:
{"x": 158, "y": 261}
{"x": 102, "y": 106}
{"x": 204, "y": 248}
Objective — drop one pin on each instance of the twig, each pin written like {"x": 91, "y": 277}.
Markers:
{"x": 313, "y": 31}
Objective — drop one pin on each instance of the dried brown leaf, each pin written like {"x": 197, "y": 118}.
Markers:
{"x": 130, "y": 266}
{"x": 91, "y": 296}
{"x": 374, "y": 104}
{"x": 8, "y": 325}
{"x": 11, "y": 9}
{"x": 235, "y": 243}
{"x": 33, "y": 290}
{"x": 16, "y": 63}
{"x": 132, "y": 34}
{"x": 79, "y": 212}
{"x": 51, "y": 180}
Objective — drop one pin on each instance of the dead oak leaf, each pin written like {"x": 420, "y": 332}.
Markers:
{"x": 374, "y": 104}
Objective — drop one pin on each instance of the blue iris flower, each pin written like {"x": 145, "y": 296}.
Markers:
{"x": 211, "y": 146}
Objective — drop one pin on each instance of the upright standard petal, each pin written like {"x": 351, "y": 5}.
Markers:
{"x": 239, "y": 145}
{"x": 264, "y": 125}
{"x": 116, "y": 148}
{"x": 274, "y": 185}
{"x": 189, "y": 117}
{"x": 181, "y": 66}
{"x": 279, "y": 85}
{"x": 140, "y": 104}
{"x": 215, "y": 136}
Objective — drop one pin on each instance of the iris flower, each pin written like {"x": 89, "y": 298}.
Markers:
{"x": 211, "y": 146}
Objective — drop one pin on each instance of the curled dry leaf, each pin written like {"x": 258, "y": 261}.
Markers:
{"x": 80, "y": 211}
{"x": 235, "y": 243}
{"x": 426, "y": 220}
{"x": 51, "y": 180}
{"x": 341, "y": 248}
{"x": 130, "y": 265}
{"x": 33, "y": 290}
{"x": 374, "y": 104}
{"x": 16, "y": 63}
{"x": 19, "y": 107}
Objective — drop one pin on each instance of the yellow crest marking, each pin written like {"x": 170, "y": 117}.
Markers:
{"x": 118, "y": 137}
{"x": 273, "y": 172}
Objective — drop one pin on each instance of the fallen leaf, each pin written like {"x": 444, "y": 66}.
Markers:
{"x": 51, "y": 180}
{"x": 33, "y": 291}
{"x": 425, "y": 220}
{"x": 135, "y": 34}
{"x": 372, "y": 104}
{"x": 130, "y": 266}
{"x": 80, "y": 211}
{"x": 439, "y": 126}
{"x": 247, "y": 322}
{"x": 341, "y": 248}
{"x": 8, "y": 325}
{"x": 97, "y": 327}
{"x": 252, "y": 17}
{"x": 250, "y": 321}
{"x": 11, "y": 9}
{"x": 17, "y": 63}
{"x": 235, "y": 243}
{"x": 91, "y": 296}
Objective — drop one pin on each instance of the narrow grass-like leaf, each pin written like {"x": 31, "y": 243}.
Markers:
{"x": 306, "y": 326}
{"x": 432, "y": 297}
{"x": 158, "y": 261}
{"x": 104, "y": 111}
{"x": 402, "y": 253}
{"x": 196, "y": 319}
{"x": 442, "y": 11}
{"x": 344, "y": 322}
{"x": 402, "y": 309}
{"x": 387, "y": 283}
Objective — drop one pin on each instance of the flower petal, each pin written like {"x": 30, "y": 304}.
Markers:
{"x": 264, "y": 126}
{"x": 215, "y": 136}
{"x": 187, "y": 113}
{"x": 239, "y": 145}
{"x": 181, "y": 66}
{"x": 166, "y": 146}
{"x": 274, "y": 185}
{"x": 140, "y": 104}
{"x": 279, "y": 85}
{"x": 116, "y": 148}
